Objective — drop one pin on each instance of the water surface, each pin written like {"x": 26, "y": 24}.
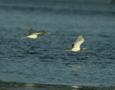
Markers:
{"x": 45, "y": 60}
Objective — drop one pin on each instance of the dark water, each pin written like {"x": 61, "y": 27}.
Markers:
{"x": 34, "y": 86}
{"x": 46, "y": 60}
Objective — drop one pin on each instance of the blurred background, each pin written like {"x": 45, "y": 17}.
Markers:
{"x": 44, "y": 63}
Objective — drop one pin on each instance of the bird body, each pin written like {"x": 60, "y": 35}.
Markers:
{"x": 34, "y": 35}
{"x": 76, "y": 46}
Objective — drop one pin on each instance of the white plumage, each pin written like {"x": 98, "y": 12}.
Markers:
{"x": 76, "y": 46}
{"x": 34, "y": 35}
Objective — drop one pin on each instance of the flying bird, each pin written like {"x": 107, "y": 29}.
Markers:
{"x": 34, "y": 34}
{"x": 76, "y": 47}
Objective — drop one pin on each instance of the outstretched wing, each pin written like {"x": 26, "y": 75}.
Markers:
{"x": 78, "y": 42}
{"x": 30, "y": 31}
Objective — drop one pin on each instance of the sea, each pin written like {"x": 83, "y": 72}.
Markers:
{"x": 46, "y": 60}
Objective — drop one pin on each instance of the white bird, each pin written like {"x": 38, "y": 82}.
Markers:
{"x": 34, "y": 35}
{"x": 76, "y": 46}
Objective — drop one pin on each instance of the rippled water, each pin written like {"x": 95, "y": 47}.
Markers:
{"x": 46, "y": 60}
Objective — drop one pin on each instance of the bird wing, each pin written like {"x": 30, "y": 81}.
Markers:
{"x": 78, "y": 42}
{"x": 30, "y": 31}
